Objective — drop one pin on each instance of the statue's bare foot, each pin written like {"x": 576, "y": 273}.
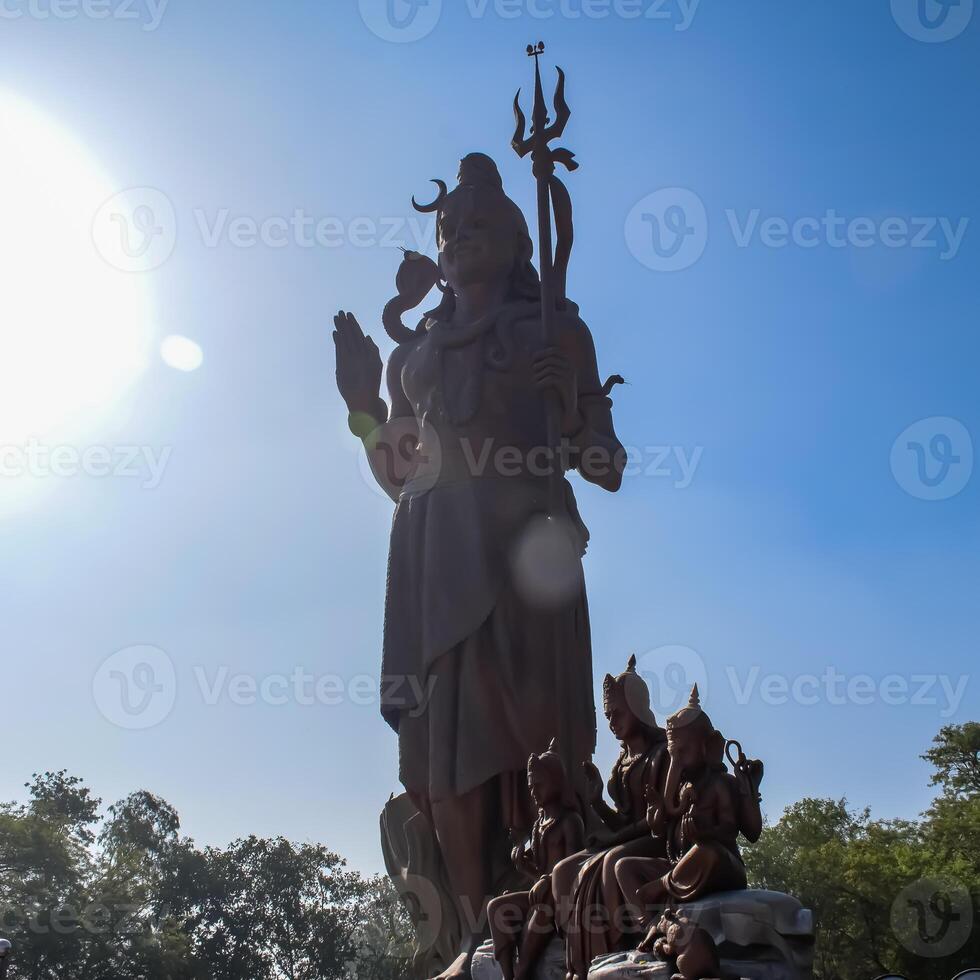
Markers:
{"x": 460, "y": 969}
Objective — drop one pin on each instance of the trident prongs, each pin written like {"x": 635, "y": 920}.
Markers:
{"x": 541, "y": 133}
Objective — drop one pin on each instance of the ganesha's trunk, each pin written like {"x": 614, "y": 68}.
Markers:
{"x": 671, "y": 802}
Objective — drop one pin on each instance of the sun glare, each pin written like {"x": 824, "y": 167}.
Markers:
{"x": 74, "y": 331}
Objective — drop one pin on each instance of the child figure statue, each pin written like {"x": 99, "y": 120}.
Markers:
{"x": 523, "y": 923}
{"x": 690, "y": 948}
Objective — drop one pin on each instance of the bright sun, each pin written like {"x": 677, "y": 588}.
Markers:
{"x": 74, "y": 332}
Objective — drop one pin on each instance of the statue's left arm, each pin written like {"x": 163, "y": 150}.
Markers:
{"x": 586, "y": 408}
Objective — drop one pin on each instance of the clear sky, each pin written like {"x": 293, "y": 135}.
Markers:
{"x": 782, "y": 545}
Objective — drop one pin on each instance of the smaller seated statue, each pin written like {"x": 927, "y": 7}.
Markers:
{"x": 586, "y": 882}
{"x": 701, "y": 813}
{"x": 523, "y": 923}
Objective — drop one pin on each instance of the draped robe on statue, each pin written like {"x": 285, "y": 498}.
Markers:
{"x": 503, "y": 673}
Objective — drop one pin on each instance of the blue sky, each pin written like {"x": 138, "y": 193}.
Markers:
{"x": 796, "y": 543}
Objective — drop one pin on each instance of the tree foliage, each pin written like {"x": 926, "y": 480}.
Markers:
{"x": 126, "y": 897}
{"x": 888, "y": 896}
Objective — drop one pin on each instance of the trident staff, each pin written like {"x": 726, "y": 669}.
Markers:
{"x": 552, "y": 196}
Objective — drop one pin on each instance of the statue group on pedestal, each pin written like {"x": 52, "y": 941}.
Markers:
{"x": 670, "y": 838}
{"x": 493, "y": 396}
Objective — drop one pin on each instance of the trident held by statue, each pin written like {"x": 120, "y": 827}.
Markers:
{"x": 552, "y": 198}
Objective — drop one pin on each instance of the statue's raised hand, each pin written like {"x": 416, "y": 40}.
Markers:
{"x": 359, "y": 368}
{"x": 593, "y": 782}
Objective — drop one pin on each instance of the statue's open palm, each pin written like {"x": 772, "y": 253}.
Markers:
{"x": 359, "y": 365}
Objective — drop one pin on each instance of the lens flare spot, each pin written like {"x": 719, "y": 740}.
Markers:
{"x": 181, "y": 353}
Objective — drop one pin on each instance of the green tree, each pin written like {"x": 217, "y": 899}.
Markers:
{"x": 955, "y": 753}
{"x": 130, "y": 898}
{"x": 875, "y": 885}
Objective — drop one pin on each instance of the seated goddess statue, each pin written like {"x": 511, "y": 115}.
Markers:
{"x": 587, "y": 881}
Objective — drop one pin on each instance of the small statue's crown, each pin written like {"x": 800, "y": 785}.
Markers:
{"x": 550, "y": 760}
{"x": 687, "y": 715}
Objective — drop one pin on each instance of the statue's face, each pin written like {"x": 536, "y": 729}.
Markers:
{"x": 622, "y": 721}
{"x": 477, "y": 239}
{"x": 543, "y": 786}
{"x": 686, "y": 746}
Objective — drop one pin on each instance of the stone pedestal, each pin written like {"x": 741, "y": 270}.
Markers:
{"x": 760, "y": 935}
{"x": 640, "y": 966}
{"x": 550, "y": 967}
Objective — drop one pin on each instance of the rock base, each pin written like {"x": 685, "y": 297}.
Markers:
{"x": 640, "y": 966}
{"x": 550, "y": 967}
{"x": 760, "y": 935}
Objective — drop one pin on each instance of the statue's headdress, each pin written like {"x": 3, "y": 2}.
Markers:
{"x": 632, "y": 688}
{"x": 478, "y": 172}
{"x": 549, "y": 762}
{"x": 692, "y": 713}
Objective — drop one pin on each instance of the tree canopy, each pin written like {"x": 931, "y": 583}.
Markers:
{"x": 888, "y": 896}
{"x": 127, "y": 897}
